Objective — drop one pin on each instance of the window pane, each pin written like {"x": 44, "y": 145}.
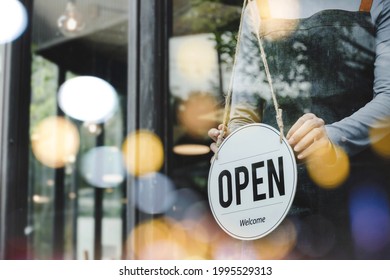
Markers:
{"x": 77, "y": 179}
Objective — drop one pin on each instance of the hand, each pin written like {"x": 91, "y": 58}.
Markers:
{"x": 216, "y": 134}
{"x": 308, "y": 135}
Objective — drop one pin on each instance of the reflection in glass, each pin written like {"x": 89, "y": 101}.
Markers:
{"x": 71, "y": 21}
{"x": 196, "y": 58}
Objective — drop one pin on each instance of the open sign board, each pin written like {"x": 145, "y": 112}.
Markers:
{"x": 252, "y": 184}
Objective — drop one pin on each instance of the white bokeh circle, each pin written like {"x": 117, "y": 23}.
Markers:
{"x": 88, "y": 98}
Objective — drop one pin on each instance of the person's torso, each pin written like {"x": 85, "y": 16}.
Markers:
{"x": 321, "y": 64}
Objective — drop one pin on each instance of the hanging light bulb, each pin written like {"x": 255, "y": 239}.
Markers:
{"x": 71, "y": 22}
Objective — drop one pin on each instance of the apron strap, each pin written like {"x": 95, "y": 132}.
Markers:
{"x": 365, "y": 5}
{"x": 263, "y": 9}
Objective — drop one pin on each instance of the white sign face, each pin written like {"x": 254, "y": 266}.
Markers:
{"x": 252, "y": 184}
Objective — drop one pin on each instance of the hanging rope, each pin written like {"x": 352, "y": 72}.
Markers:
{"x": 278, "y": 111}
{"x": 230, "y": 88}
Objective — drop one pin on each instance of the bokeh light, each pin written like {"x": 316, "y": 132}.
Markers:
{"x": 279, "y": 243}
{"x": 197, "y": 113}
{"x": 228, "y": 248}
{"x": 316, "y": 236}
{"x": 284, "y": 8}
{"x": 191, "y": 149}
{"x": 212, "y": 230}
{"x": 327, "y": 170}
{"x": 187, "y": 237}
{"x": 196, "y": 211}
{"x": 55, "y": 142}
{"x": 199, "y": 223}
{"x": 13, "y": 20}
{"x": 92, "y": 128}
{"x": 193, "y": 215}
{"x": 143, "y": 153}
{"x": 196, "y": 58}
{"x": 40, "y": 199}
{"x": 198, "y": 239}
{"x": 185, "y": 198}
{"x": 157, "y": 239}
{"x": 380, "y": 138}
{"x": 88, "y": 99}
{"x": 103, "y": 167}
{"x": 153, "y": 193}
{"x": 277, "y": 9}
{"x": 370, "y": 218}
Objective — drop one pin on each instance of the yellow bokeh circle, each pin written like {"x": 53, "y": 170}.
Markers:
{"x": 158, "y": 239}
{"x": 329, "y": 170}
{"x": 55, "y": 142}
{"x": 380, "y": 138}
{"x": 143, "y": 153}
{"x": 197, "y": 114}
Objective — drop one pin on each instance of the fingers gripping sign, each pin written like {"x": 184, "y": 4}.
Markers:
{"x": 217, "y": 135}
{"x": 308, "y": 135}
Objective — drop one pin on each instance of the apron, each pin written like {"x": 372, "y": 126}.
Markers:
{"x": 322, "y": 64}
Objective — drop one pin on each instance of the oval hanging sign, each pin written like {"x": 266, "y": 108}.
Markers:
{"x": 252, "y": 184}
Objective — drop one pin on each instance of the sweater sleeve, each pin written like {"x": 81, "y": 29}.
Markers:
{"x": 352, "y": 133}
